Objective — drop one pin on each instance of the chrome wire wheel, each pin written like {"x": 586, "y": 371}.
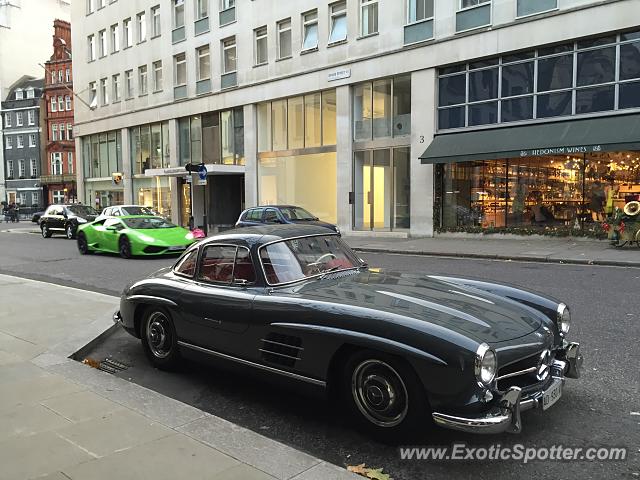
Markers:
{"x": 379, "y": 393}
{"x": 159, "y": 335}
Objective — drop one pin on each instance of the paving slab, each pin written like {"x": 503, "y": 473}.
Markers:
{"x": 81, "y": 406}
{"x": 35, "y": 390}
{"x": 25, "y": 420}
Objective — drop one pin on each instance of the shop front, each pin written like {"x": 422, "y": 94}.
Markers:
{"x": 555, "y": 178}
{"x": 102, "y": 160}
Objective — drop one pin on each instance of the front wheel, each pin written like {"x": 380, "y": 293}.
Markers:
{"x": 83, "y": 245}
{"x": 69, "y": 232}
{"x": 46, "y": 233}
{"x": 159, "y": 339}
{"x": 385, "y": 396}
{"x": 124, "y": 247}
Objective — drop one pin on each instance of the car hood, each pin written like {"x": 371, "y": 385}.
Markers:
{"x": 483, "y": 316}
{"x": 166, "y": 236}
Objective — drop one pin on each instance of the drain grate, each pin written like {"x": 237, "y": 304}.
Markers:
{"x": 108, "y": 365}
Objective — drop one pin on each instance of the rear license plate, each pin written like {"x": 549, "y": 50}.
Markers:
{"x": 176, "y": 248}
{"x": 552, "y": 395}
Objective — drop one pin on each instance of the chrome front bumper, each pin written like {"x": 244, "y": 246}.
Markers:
{"x": 505, "y": 416}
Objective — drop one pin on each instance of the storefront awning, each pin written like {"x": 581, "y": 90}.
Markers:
{"x": 573, "y": 137}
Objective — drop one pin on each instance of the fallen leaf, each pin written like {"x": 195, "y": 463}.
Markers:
{"x": 378, "y": 475}
{"x": 372, "y": 473}
{"x": 359, "y": 469}
{"x": 91, "y": 362}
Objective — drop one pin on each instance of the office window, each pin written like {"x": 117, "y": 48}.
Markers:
{"x": 9, "y": 169}
{"x": 30, "y": 91}
{"x": 227, "y": 4}
{"x": 310, "y": 30}
{"x": 368, "y": 17}
{"x": 91, "y": 45}
{"x": 34, "y": 167}
{"x": 8, "y": 142}
{"x": 91, "y": 6}
{"x": 204, "y": 63}
{"x": 70, "y": 166}
{"x": 53, "y": 76}
{"x": 67, "y": 75}
{"x": 115, "y": 38}
{"x": 102, "y": 3}
{"x": 61, "y": 131}
{"x": 19, "y": 119}
{"x": 19, "y": 94}
{"x": 115, "y": 87}
{"x": 262, "y": 55}
{"x": 32, "y": 140}
{"x": 155, "y": 19}
{"x": 157, "y": 76}
{"x": 202, "y": 9}
{"x": 284, "y": 38}
{"x": 419, "y": 10}
{"x": 178, "y": 13}
{"x": 35, "y": 198}
{"x": 69, "y": 131}
{"x": 128, "y": 83}
{"x": 338, "y": 12}
{"x": 104, "y": 95}
{"x": 22, "y": 172}
{"x": 472, "y": 3}
{"x": 142, "y": 80}
{"x": 102, "y": 42}
{"x": 141, "y": 20}
{"x": 31, "y": 117}
{"x": 180, "y": 69}
{"x": 54, "y": 132}
{"x": 229, "y": 55}
{"x": 56, "y": 163}
{"x": 127, "y": 33}
{"x": 54, "y": 104}
{"x": 7, "y": 120}
{"x": 20, "y": 141}
{"x": 67, "y": 102}
{"x": 60, "y": 103}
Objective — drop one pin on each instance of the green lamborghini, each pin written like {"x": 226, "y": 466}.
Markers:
{"x": 133, "y": 235}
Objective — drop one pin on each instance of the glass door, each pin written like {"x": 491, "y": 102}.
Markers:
{"x": 373, "y": 190}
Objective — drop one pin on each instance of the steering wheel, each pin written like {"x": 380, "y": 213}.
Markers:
{"x": 321, "y": 259}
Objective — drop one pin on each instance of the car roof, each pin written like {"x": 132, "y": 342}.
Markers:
{"x": 140, "y": 216}
{"x": 261, "y": 234}
{"x": 274, "y": 206}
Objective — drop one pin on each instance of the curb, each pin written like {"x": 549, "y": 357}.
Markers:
{"x": 484, "y": 256}
{"x": 79, "y": 354}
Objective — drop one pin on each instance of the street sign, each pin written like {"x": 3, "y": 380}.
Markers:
{"x": 202, "y": 172}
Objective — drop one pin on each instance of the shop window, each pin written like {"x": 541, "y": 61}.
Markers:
{"x": 554, "y": 105}
{"x": 596, "y": 66}
{"x": 483, "y": 113}
{"x": 483, "y": 85}
{"x": 149, "y": 147}
{"x": 279, "y": 124}
{"x": 451, "y": 117}
{"x": 452, "y": 90}
{"x": 184, "y": 150}
{"x": 264, "y": 127}
{"x": 313, "y": 120}
{"x": 517, "y": 79}
{"x": 629, "y": 95}
{"x": 630, "y": 61}
{"x": 210, "y": 138}
{"x": 295, "y": 122}
{"x": 517, "y": 109}
{"x": 362, "y": 111}
{"x": 597, "y": 99}
{"x": 382, "y": 108}
{"x": 196, "y": 139}
{"x": 402, "y": 106}
{"x": 555, "y": 73}
{"x": 329, "y": 110}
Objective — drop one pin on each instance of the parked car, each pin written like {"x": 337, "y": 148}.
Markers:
{"x": 35, "y": 218}
{"x": 125, "y": 210}
{"x": 65, "y": 219}
{"x": 133, "y": 235}
{"x": 280, "y": 214}
{"x": 401, "y": 351}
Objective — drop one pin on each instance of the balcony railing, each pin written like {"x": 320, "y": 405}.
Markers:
{"x": 66, "y": 178}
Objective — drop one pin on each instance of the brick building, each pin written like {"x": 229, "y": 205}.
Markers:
{"x": 59, "y": 170}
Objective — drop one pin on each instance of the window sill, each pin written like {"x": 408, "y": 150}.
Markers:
{"x": 258, "y": 65}
{"x": 156, "y": 36}
{"x": 141, "y": 42}
{"x": 116, "y": 101}
{"x": 284, "y": 58}
{"x": 479, "y": 27}
{"x": 537, "y": 13}
{"x": 128, "y": 99}
{"x": 157, "y": 91}
{"x": 127, "y": 47}
{"x": 112, "y": 53}
{"x": 309, "y": 50}
{"x": 337, "y": 43}
{"x": 369, "y": 35}
{"x": 143, "y": 95}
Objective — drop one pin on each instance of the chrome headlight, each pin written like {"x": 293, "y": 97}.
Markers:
{"x": 564, "y": 319}
{"x": 486, "y": 364}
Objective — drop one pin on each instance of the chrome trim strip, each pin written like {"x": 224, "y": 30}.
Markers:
{"x": 278, "y": 354}
{"x": 150, "y": 298}
{"x": 516, "y": 374}
{"x": 522, "y": 345}
{"x": 282, "y": 344}
{"x": 295, "y": 376}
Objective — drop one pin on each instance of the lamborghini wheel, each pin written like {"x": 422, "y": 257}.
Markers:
{"x": 124, "y": 247}
{"x": 83, "y": 245}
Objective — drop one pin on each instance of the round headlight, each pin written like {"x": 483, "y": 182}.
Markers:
{"x": 486, "y": 364}
{"x": 564, "y": 318}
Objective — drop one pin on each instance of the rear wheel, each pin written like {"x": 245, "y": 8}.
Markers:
{"x": 385, "y": 396}
{"x": 159, "y": 339}
{"x": 46, "y": 233}
{"x": 69, "y": 232}
{"x": 124, "y": 247}
{"x": 83, "y": 245}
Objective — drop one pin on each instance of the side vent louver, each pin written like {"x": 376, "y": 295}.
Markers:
{"x": 281, "y": 349}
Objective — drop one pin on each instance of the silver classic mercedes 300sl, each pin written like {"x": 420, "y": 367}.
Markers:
{"x": 401, "y": 351}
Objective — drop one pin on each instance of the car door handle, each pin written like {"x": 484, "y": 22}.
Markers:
{"x": 213, "y": 320}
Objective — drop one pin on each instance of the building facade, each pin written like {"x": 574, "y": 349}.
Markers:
{"x": 376, "y": 115}
{"x": 21, "y": 144}
{"x": 59, "y": 167}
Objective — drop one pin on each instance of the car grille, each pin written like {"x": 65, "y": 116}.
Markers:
{"x": 523, "y": 373}
{"x": 154, "y": 249}
{"x": 280, "y": 349}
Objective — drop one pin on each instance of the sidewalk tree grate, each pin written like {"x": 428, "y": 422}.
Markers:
{"x": 108, "y": 365}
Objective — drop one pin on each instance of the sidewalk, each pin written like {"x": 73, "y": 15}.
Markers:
{"x": 63, "y": 420}
{"x": 556, "y": 250}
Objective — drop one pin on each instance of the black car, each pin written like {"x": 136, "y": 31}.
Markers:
{"x": 280, "y": 214}
{"x": 401, "y": 351}
{"x": 65, "y": 219}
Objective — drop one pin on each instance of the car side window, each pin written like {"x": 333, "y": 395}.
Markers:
{"x": 255, "y": 215}
{"x": 270, "y": 216}
{"x": 244, "y": 266}
{"x": 217, "y": 264}
{"x": 113, "y": 222}
{"x": 116, "y": 212}
{"x": 188, "y": 264}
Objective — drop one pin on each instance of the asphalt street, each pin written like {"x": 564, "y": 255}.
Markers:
{"x": 600, "y": 409}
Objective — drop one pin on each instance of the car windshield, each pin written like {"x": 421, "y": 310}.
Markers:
{"x": 138, "y": 211}
{"x": 146, "y": 223}
{"x": 296, "y": 213}
{"x": 300, "y": 258}
{"x": 82, "y": 210}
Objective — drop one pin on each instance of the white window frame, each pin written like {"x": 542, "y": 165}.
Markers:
{"x": 102, "y": 41}
{"x": 61, "y": 130}
{"x": 19, "y": 141}
{"x": 54, "y": 103}
{"x": 60, "y": 103}
{"x": 157, "y": 79}
{"x": 115, "y": 38}
{"x": 104, "y": 91}
{"x": 67, "y": 103}
{"x": 70, "y": 166}
{"x": 35, "y": 198}
{"x": 365, "y": 5}
{"x": 115, "y": 87}
{"x": 127, "y": 33}
{"x": 226, "y": 46}
{"x": 411, "y": 21}
{"x": 31, "y": 117}
{"x": 19, "y": 94}
{"x": 475, "y": 5}
{"x": 91, "y": 47}
{"x": 201, "y": 53}
{"x": 69, "y": 131}
{"x": 201, "y": 8}
{"x": 227, "y": 4}
{"x": 7, "y": 120}
{"x": 67, "y": 75}
{"x": 10, "y": 171}
{"x": 306, "y": 24}
{"x": 260, "y": 34}
{"x": 23, "y": 199}
{"x": 32, "y": 140}
{"x": 287, "y": 28}
{"x": 34, "y": 167}
{"x": 128, "y": 84}
{"x": 8, "y": 143}
{"x": 178, "y": 5}
{"x": 143, "y": 78}
{"x": 30, "y": 91}
{"x": 155, "y": 21}
{"x": 178, "y": 63}
{"x": 337, "y": 10}
{"x": 22, "y": 168}
{"x": 141, "y": 24}
{"x": 19, "y": 119}
{"x": 54, "y": 132}
{"x": 53, "y": 76}
{"x": 91, "y": 6}
{"x": 56, "y": 161}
